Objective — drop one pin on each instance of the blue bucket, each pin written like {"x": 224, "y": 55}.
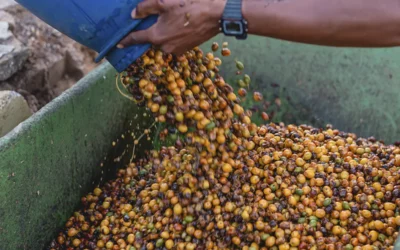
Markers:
{"x": 97, "y": 24}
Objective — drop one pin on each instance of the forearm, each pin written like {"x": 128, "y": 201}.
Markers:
{"x": 358, "y": 23}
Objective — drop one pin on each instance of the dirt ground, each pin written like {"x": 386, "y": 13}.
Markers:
{"x": 55, "y": 63}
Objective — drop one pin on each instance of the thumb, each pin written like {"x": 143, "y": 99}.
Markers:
{"x": 137, "y": 37}
{"x": 148, "y": 7}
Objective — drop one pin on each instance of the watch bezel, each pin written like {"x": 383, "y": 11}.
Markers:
{"x": 242, "y": 34}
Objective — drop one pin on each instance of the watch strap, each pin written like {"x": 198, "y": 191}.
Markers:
{"x": 233, "y": 10}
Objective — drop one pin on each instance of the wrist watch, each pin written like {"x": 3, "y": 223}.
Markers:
{"x": 232, "y": 22}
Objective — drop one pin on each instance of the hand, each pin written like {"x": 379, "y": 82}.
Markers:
{"x": 181, "y": 25}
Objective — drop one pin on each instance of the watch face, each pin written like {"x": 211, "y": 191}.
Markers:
{"x": 232, "y": 27}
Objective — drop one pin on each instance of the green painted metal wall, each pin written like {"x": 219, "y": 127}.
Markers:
{"x": 55, "y": 157}
{"x": 51, "y": 160}
{"x": 356, "y": 90}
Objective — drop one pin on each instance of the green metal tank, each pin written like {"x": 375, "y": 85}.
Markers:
{"x": 355, "y": 90}
{"x": 59, "y": 154}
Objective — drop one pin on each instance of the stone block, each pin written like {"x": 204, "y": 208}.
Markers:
{"x": 13, "y": 110}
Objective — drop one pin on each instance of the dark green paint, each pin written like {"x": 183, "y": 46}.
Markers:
{"x": 51, "y": 160}
{"x": 355, "y": 90}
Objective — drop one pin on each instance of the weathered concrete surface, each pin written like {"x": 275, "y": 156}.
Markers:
{"x": 13, "y": 110}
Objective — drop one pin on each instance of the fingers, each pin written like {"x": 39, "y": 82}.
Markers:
{"x": 147, "y": 7}
{"x": 137, "y": 37}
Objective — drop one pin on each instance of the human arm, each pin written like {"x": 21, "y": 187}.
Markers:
{"x": 355, "y": 23}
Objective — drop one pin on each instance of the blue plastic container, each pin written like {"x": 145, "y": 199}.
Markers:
{"x": 97, "y": 24}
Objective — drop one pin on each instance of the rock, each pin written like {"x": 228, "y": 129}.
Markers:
{"x": 4, "y": 4}
{"x": 5, "y": 33}
{"x": 55, "y": 62}
{"x": 33, "y": 103}
{"x": 12, "y": 54}
{"x": 7, "y": 17}
{"x": 13, "y": 110}
{"x": 12, "y": 58}
{"x": 6, "y": 49}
